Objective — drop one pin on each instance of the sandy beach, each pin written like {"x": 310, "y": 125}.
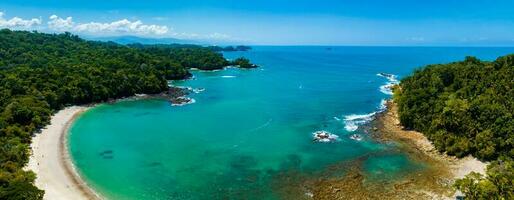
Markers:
{"x": 50, "y": 160}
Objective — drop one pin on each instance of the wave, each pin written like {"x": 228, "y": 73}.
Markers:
{"x": 392, "y": 80}
{"x": 227, "y": 76}
{"x": 198, "y": 90}
{"x": 353, "y": 121}
{"x": 382, "y": 106}
{"x": 195, "y": 90}
{"x": 356, "y": 137}
{"x": 387, "y": 88}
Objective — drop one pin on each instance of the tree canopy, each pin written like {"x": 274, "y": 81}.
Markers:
{"x": 243, "y": 63}
{"x": 466, "y": 108}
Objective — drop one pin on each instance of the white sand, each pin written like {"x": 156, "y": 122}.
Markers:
{"x": 50, "y": 160}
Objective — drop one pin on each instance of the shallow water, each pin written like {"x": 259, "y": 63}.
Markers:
{"x": 249, "y": 126}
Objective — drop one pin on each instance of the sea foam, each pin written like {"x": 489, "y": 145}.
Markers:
{"x": 388, "y": 86}
{"x": 353, "y": 121}
{"x": 195, "y": 90}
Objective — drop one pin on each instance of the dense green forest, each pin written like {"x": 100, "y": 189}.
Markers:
{"x": 193, "y": 56}
{"x": 41, "y": 73}
{"x": 243, "y": 63}
{"x": 466, "y": 108}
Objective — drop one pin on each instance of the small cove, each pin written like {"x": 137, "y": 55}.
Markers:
{"x": 248, "y": 129}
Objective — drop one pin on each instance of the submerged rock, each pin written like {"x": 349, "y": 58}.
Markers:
{"x": 324, "y": 136}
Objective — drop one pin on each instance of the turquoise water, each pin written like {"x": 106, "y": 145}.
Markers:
{"x": 249, "y": 127}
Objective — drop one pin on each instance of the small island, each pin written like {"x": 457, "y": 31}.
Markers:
{"x": 243, "y": 63}
{"x": 230, "y": 48}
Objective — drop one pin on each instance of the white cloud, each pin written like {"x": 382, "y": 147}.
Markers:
{"x": 123, "y": 26}
{"x": 17, "y": 22}
{"x": 60, "y": 24}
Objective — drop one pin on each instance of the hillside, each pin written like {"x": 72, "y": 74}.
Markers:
{"x": 466, "y": 108}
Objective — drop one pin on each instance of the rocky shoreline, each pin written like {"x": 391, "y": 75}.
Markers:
{"x": 177, "y": 96}
{"x": 437, "y": 180}
{"x": 347, "y": 180}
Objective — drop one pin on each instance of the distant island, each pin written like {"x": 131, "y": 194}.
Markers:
{"x": 230, "y": 48}
{"x": 43, "y": 73}
{"x": 128, "y": 39}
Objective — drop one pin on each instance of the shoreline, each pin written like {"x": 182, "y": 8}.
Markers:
{"x": 57, "y": 175}
{"x": 50, "y": 159}
{"x": 444, "y": 170}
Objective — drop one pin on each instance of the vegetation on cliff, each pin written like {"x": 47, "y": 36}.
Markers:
{"x": 466, "y": 108}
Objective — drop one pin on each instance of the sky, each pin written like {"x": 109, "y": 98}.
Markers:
{"x": 275, "y": 22}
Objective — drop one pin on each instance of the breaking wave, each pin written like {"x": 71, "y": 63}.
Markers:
{"x": 382, "y": 106}
{"x": 195, "y": 90}
{"x": 388, "y": 86}
{"x": 353, "y": 121}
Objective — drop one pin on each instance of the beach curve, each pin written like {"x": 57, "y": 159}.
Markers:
{"x": 51, "y": 162}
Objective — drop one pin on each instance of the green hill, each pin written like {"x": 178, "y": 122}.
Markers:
{"x": 466, "y": 108}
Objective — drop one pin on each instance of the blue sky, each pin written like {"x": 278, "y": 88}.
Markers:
{"x": 276, "y": 22}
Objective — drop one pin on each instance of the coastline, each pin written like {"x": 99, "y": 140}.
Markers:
{"x": 444, "y": 169}
{"x": 56, "y": 174}
{"x": 50, "y": 159}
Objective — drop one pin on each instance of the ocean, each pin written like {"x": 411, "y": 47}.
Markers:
{"x": 249, "y": 133}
